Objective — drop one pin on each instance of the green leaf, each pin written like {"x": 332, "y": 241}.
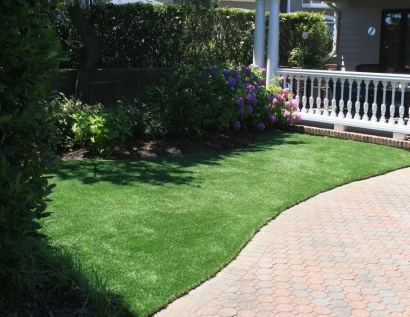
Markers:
{"x": 6, "y": 118}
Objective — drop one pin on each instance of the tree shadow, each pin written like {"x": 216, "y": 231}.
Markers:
{"x": 161, "y": 171}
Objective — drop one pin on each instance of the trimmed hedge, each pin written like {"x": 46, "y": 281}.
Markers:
{"x": 153, "y": 36}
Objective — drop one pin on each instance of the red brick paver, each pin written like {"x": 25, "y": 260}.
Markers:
{"x": 345, "y": 252}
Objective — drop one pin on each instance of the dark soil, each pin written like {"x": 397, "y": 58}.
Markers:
{"x": 135, "y": 148}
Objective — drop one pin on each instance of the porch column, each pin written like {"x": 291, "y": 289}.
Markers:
{"x": 259, "y": 37}
{"x": 273, "y": 41}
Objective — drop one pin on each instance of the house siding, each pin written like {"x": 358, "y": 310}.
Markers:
{"x": 355, "y": 45}
{"x": 296, "y": 5}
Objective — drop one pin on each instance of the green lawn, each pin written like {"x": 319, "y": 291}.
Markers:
{"x": 160, "y": 226}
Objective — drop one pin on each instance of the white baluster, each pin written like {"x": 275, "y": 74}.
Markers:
{"x": 326, "y": 101}
{"x": 392, "y": 107}
{"x": 383, "y": 106}
{"x": 341, "y": 101}
{"x": 366, "y": 103}
{"x": 401, "y": 108}
{"x": 357, "y": 104}
{"x": 333, "y": 114}
{"x": 374, "y": 105}
{"x": 304, "y": 110}
{"x": 318, "y": 99}
{"x": 349, "y": 102}
{"x": 311, "y": 101}
{"x": 297, "y": 94}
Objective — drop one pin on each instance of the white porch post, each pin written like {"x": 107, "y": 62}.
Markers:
{"x": 273, "y": 41}
{"x": 259, "y": 37}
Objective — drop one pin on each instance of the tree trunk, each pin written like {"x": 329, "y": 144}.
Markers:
{"x": 90, "y": 54}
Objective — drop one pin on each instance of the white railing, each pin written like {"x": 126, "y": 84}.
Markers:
{"x": 376, "y": 101}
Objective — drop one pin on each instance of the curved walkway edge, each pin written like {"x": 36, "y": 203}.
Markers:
{"x": 345, "y": 252}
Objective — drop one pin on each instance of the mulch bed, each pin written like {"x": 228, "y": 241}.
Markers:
{"x": 136, "y": 148}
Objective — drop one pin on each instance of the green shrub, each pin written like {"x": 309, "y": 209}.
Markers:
{"x": 61, "y": 110}
{"x": 95, "y": 126}
{"x": 29, "y": 53}
{"x": 140, "y": 35}
{"x": 190, "y": 103}
{"x": 193, "y": 102}
{"x": 102, "y": 130}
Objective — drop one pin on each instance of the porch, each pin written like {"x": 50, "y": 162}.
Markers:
{"x": 348, "y": 99}
{"x": 370, "y": 101}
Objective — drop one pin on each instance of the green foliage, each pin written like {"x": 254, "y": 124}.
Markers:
{"x": 153, "y": 36}
{"x": 296, "y": 51}
{"x": 29, "y": 53}
{"x": 125, "y": 118}
{"x": 190, "y": 102}
{"x": 102, "y": 130}
{"x": 197, "y": 3}
{"x": 61, "y": 110}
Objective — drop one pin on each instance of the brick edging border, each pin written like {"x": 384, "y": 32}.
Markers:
{"x": 344, "y": 135}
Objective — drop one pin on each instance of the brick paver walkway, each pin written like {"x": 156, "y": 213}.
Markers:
{"x": 345, "y": 252}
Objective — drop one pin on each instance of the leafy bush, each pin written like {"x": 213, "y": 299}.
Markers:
{"x": 140, "y": 35}
{"x": 30, "y": 53}
{"x": 61, "y": 111}
{"x": 305, "y": 52}
{"x": 65, "y": 113}
{"x": 102, "y": 130}
{"x": 190, "y": 102}
{"x": 256, "y": 106}
{"x": 193, "y": 103}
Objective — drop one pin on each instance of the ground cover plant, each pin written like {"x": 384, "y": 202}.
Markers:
{"x": 159, "y": 226}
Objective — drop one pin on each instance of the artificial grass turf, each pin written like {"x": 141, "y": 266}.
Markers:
{"x": 160, "y": 226}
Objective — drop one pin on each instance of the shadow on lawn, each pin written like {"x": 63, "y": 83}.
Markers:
{"x": 161, "y": 171}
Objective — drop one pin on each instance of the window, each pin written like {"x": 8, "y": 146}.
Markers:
{"x": 395, "y": 40}
{"x": 314, "y": 4}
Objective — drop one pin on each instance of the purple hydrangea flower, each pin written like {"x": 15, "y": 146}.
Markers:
{"x": 249, "y": 97}
{"x": 241, "y": 110}
{"x": 231, "y": 82}
{"x": 231, "y": 69}
{"x": 254, "y": 101}
{"x": 239, "y": 101}
{"x": 226, "y": 74}
{"x": 244, "y": 67}
{"x": 251, "y": 88}
{"x": 288, "y": 105}
{"x": 287, "y": 114}
{"x": 248, "y": 71}
{"x": 255, "y": 78}
{"x": 266, "y": 107}
{"x": 279, "y": 97}
{"x": 272, "y": 118}
{"x": 256, "y": 87}
{"x": 237, "y": 125}
{"x": 249, "y": 109}
{"x": 268, "y": 97}
{"x": 261, "y": 126}
{"x": 294, "y": 103}
{"x": 298, "y": 116}
{"x": 237, "y": 76}
{"x": 212, "y": 70}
